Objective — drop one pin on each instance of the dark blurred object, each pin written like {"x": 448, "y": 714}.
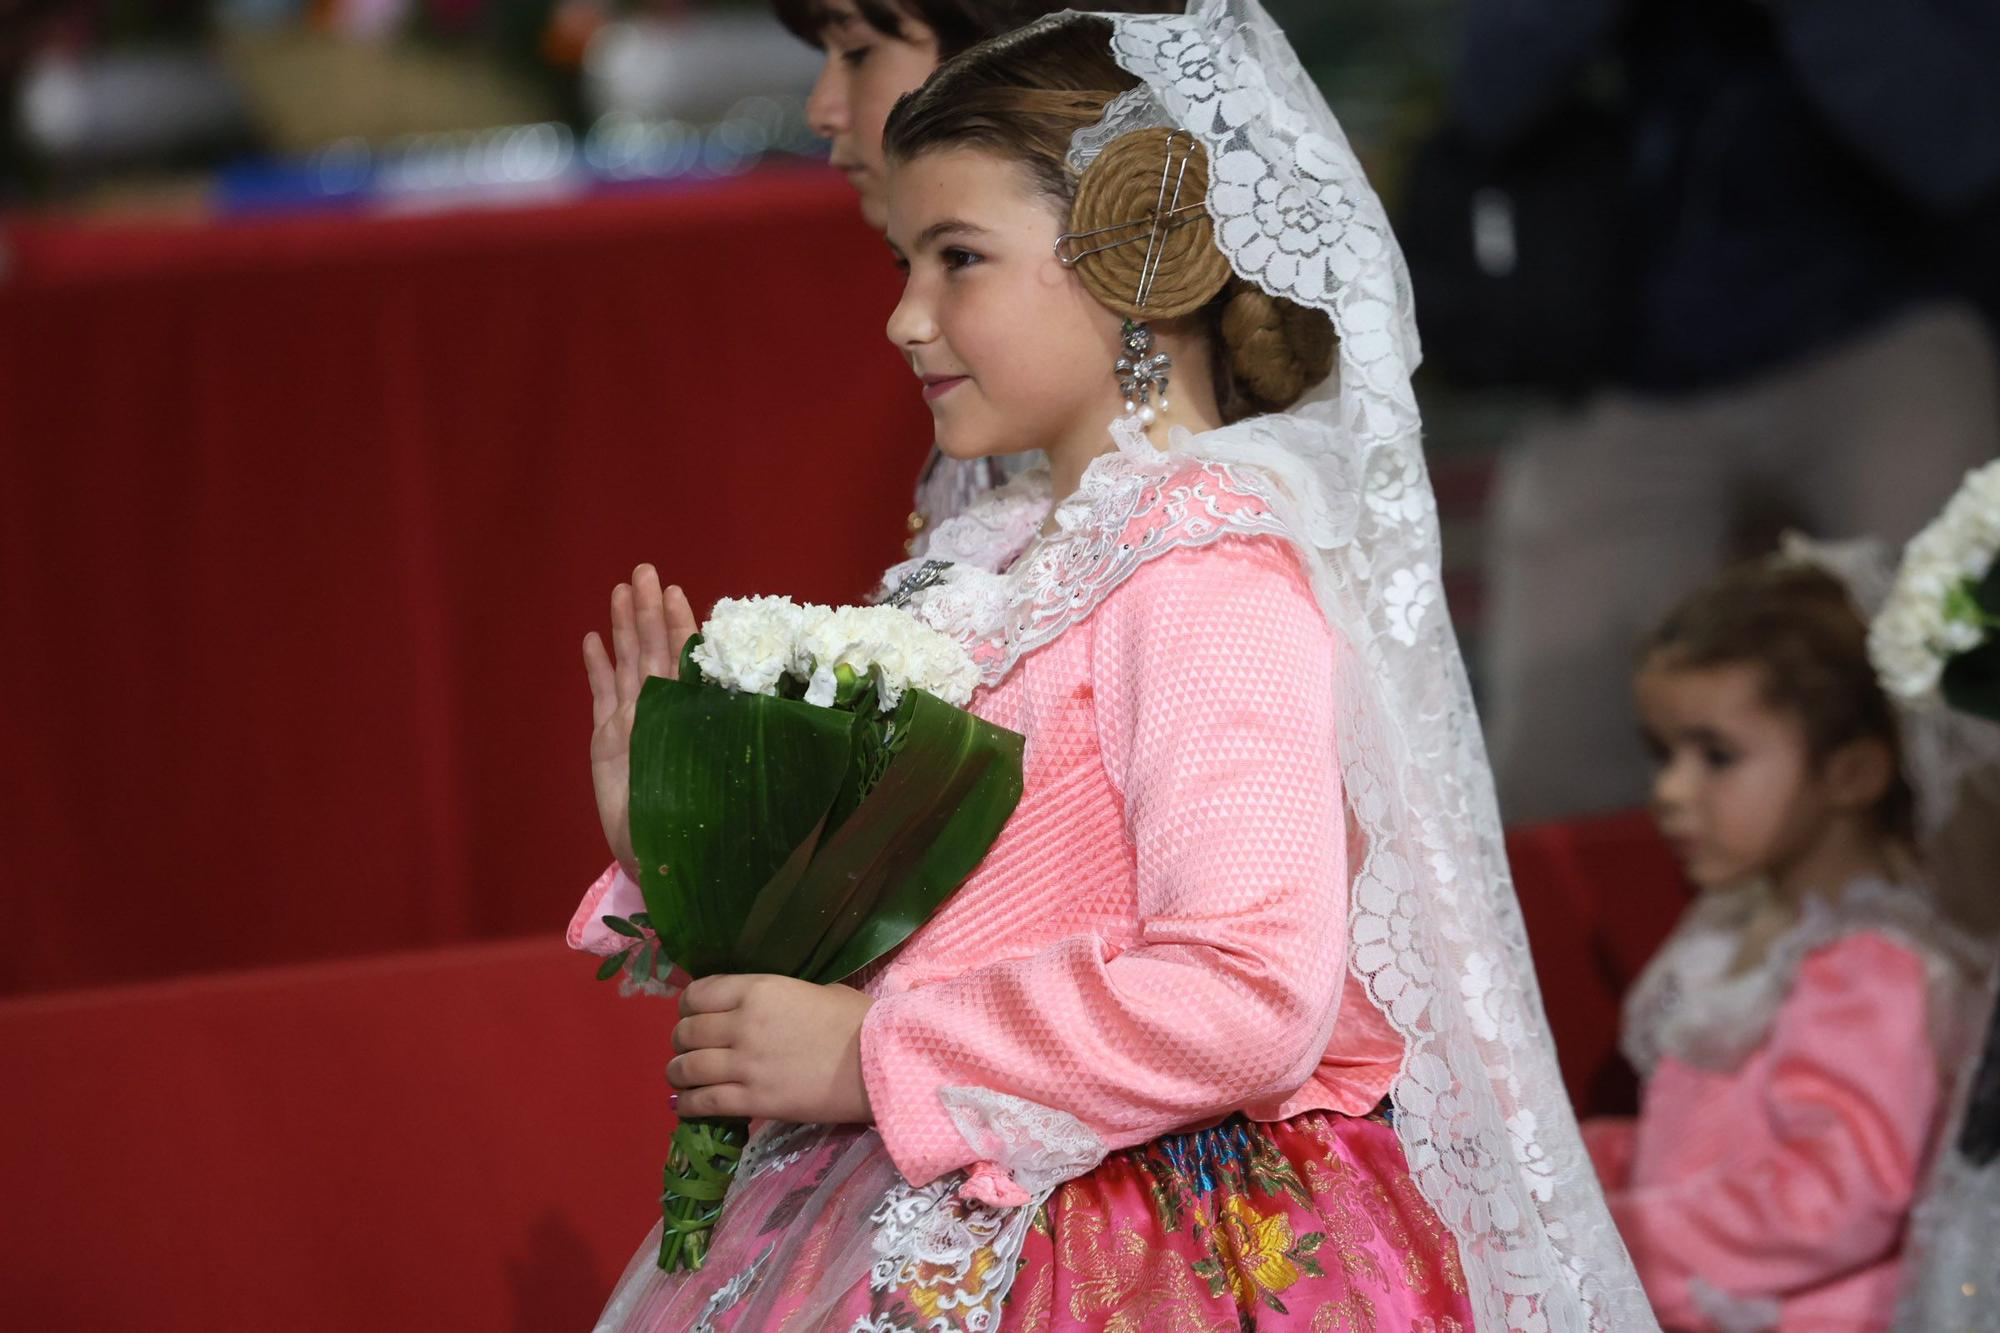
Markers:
{"x": 1786, "y": 328}
{"x": 1522, "y": 273}
{"x": 86, "y": 113}
{"x": 1979, "y": 1139}
{"x": 1797, "y": 171}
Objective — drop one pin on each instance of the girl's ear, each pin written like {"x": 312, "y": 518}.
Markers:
{"x": 1858, "y": 774}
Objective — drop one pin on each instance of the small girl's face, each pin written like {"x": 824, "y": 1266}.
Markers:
{"x": 1014, "y": 353}
{"x": 1735, "y": 790}
{"x": 865, "y": 71}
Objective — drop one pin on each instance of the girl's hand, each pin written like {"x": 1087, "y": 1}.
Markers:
{"x": 771, "y": 1048}
{"x": 648, "y": 630}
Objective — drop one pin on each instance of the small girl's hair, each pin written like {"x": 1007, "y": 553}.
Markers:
{"x": 959, "y": 24}
{"x": 1795, "y": 623}
{"x": 1022, "y": 96}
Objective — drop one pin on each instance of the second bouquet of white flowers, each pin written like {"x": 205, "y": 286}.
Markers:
{"x": 804, "y": 797}
{"x": 1934, "y": 637}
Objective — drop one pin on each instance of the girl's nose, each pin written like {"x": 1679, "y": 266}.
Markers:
{"x": 1671, "y": 781}
{"x": 826, "y": 106}
{"x": 911, "y": 323}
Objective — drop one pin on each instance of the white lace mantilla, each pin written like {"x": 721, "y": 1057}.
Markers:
{"x": 1134, "y": 505}
{"x": 1690, "y": 1002}
{"x": 1436, "y": 930}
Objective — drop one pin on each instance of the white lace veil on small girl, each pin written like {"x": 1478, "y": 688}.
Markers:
{"x": 1436, "y": 931}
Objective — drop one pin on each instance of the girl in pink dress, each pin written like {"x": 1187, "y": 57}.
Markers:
{"x": 1234, "y": 1026}
{"x": 1800, "y": 1032}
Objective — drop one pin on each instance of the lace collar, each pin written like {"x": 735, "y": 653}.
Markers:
{"x": 1003, "y": 586}
{"x": 1688, "y": 1005}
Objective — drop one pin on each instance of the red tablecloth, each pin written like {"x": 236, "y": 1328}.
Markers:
{"x": 467, "y": 1138}
{"x": 302, "y": 523}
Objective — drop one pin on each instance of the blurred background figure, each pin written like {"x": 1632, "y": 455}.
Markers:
{"x": 1751, "y": 244}
{"x": 231, "y": 106}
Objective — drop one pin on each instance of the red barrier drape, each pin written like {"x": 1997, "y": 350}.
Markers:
{"x": 467, "y": 1138}
{"x": 302, "y": 523}
{"x": 1597, "y": 897}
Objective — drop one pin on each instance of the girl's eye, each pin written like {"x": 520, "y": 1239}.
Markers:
{"x": 854, "y": 55}
{"x": 956, "y": 258}
{"x": 1715, "y": 756}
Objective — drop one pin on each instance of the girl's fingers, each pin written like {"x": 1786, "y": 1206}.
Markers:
{"x": 603, "y": 680}
{"x": 649, "y": 607}
{"x": 730, "y": 1100}
{"x": 625, "y": 644}
{"x": 681, "y": 626}
{"x": 715, "y": 994}
{"x": 702, "y": 1032}
{"x": 699, "y": 1069}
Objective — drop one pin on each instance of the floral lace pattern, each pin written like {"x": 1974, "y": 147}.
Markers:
{"x": 774, "y": 1147}
{"x": 1130, "y": 508}
{"x": 729, "y": 1293}
{"x": 952, "y": 1257}
{"x": 1437, "y": 933}
{"x": 1035, "y": 1146}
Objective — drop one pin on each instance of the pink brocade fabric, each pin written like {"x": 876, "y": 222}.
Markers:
{"x": 1309, "y": 1223}
{"x": 1775, "y": 1195}
{"x": 1159, "y": 936}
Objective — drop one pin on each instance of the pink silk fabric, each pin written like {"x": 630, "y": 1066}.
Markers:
{"x": 1788, "y": 1180}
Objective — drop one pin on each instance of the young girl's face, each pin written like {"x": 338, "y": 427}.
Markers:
{"x": 1014, "y": 353}
{"x": 865, "y": 71}
{"x": 1735, "y": 790}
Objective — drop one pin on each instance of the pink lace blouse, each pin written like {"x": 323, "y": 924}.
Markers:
{"x": 1159, "y": 937}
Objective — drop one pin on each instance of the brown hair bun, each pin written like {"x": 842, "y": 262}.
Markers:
{"x": 1277, "y": 349}
{"x": 1121, "y": 190}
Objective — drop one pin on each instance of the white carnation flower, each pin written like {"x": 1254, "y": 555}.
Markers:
{"x": 1920, "y": 627}
{"x": 908, "y": 655}
{"x": 751, "y": 643}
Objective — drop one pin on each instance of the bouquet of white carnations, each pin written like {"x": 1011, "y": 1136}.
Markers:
{"x": 803, "y": 798}
{"x": 1933, "y": 638}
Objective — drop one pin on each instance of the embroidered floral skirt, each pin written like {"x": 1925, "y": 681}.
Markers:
{"x": 1313, "y": 1223}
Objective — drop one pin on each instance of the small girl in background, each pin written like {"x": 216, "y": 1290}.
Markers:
{"x": 1796, "y": 1034}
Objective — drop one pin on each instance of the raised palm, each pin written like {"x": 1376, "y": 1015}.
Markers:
{"x": 649, "y": 627}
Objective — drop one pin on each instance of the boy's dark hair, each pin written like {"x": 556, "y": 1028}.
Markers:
{"x": 959, "y": 24}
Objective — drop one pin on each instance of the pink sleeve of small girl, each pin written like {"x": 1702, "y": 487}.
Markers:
{"x": 1822, "y": 1182}
{"x": 1213, "y": 675}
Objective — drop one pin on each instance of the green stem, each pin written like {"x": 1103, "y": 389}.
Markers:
{"x": 700, "y": 1164}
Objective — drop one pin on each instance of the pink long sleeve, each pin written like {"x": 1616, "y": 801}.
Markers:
{"x": 1799, "y": 1170}
{"x": 1210, "y": 674}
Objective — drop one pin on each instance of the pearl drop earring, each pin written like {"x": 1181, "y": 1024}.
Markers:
{"x": 1140, "y": 371}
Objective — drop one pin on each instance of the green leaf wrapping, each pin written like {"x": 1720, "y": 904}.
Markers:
{"x": 951, "y": 784}
{"x": 725, "y": 791}
{"x": 776, "y": 836}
